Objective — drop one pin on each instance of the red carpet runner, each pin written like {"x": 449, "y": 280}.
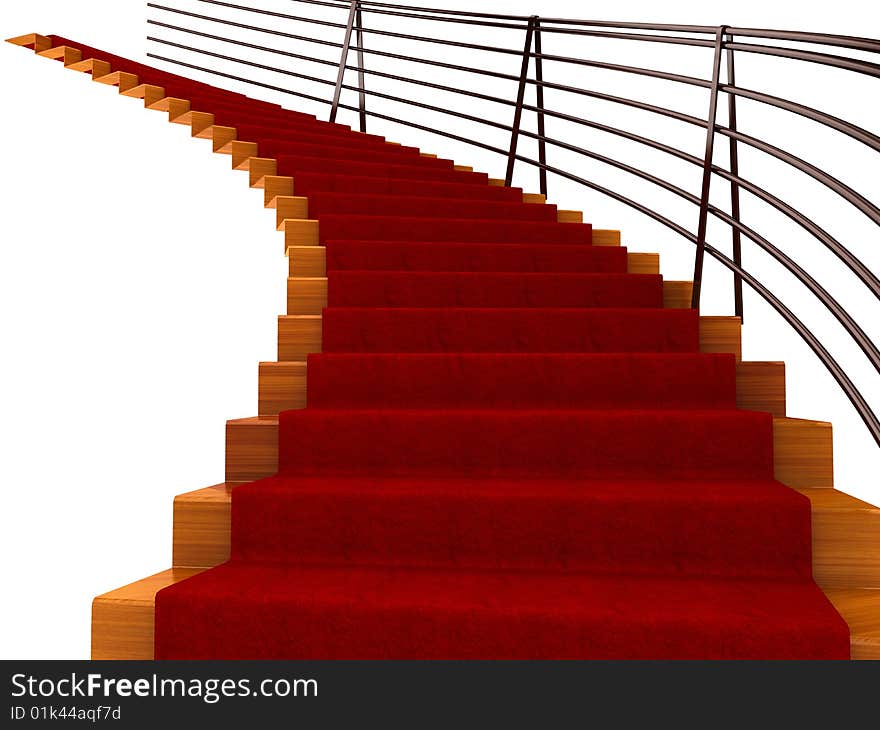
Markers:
{"x": 511, "y": 450}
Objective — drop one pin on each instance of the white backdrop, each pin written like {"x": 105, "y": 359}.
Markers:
{"x": 140, "y": 280}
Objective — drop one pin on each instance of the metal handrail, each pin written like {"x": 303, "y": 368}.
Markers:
{"x": 726, "y": 42}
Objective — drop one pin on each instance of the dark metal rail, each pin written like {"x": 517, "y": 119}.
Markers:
{"x": 378, "y": 41}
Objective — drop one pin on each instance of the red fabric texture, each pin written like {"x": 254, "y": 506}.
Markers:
{"x": 465, "y": 329}
{"x": 525, "y": 380}
{"x": 321, "y": 204}
{"x": 510, "y": 449}
{"x": 493, "y": 257}
{"x": 448, "y": 289}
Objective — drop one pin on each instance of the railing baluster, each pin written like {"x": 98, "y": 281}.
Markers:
{"x": 707, "y": 169}
{"x": 346, "y": 44}
{"x": 520, "y": 95}
{"x": 362, "y": 96}
{"x": 539, "y": 94}
{"x": 734, "y": 186}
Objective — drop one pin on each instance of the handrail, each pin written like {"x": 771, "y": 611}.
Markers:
{"x": 526, "y": 68}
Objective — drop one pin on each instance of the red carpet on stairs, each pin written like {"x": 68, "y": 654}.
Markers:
{"x": 511, "y": 450}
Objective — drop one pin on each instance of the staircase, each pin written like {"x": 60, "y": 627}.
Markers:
{"x": 520, "y": 442}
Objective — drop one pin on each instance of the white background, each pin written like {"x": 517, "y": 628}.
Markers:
{"x": 140, "y": 278}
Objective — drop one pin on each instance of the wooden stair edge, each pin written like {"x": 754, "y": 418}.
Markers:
{"x": 123, "y": 620}
{"x": 34, "y": 41}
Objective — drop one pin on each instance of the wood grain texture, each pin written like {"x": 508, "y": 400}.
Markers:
{"x": 178, "y": 108}
{"x": 860, "y": 608}
{"x": 221, "y": 137}
{"x": 298, "y": 336}
{"x": 34, "y": 41}
{"x": 803, "y": 454}
{"x": 721, "y": 334}
{"x": 306, "y": 294}
{"x": 290, "y": 206}
{"x": 274, "y": 186}
{"x": 121, "y": 79}
{"x": 202, "y": 527}
{"x": 93, "y": 66}
{"x": 534, "y": 198}
{"x": 282, "y": 387}
{"x": 569, "y": 216}
{"x": 123, "y": 619}
{"x": 642, "y": 263}
{"x": 148, "y": 92}
{"x": 846, "y": 540}
{"x": 259, "y": 168}
{"x": 496, "y": 182}
{"x": 202, "y": 125}
{"x": 677, "y": 294}
{"x": 605, "y": 237}
{"x": 300, "y": 232}
{"x": 251, "y": 449}
{"x": 242, "y": 153}
{"x": 760, "y": 386}
{"x": 307, "y": 261}
{"x": 463, "y": 168}
{"x": 66, "y": 54}
{"x": 167, "y": 102}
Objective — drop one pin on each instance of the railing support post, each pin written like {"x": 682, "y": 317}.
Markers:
{"x": 520, "y": 95}
{"x": 703, "y": 222}
{"x": 734, "y": 186}
{"x": 539, "y": 95}
{"x": 346, "y": 44}
{"x": 362, "y": 95}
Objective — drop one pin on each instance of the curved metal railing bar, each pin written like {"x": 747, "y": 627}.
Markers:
{"x": 724, "y": 40}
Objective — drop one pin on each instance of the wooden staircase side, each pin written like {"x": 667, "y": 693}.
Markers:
{"x": 846, "y": 531}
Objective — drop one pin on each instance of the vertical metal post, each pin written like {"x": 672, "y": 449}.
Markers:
{"x": 703, "y": 222}
{"x": 734, "y": 186}
{"x": 539, "y": 94}
{"x": 362, "y": 96}
{"x": 517, "y": 116}
{"x": 346, "y": 44}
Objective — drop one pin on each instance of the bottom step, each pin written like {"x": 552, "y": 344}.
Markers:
{"x": 123, "y": 619}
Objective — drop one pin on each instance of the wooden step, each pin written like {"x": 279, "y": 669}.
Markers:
{"x": 32, "y": 40}
{"x": 125, "y": 81}
{"x": 148, "y": 92}
{"x": 241, "y": 154}
{"x": 846, "y": 540}
{"x": 222, "y": 139}
{"x": 202, "y": 527}
{"x": 307, "y": 261}
{"x": 66, "y": 54}
{"x": 846, "y": 532}
{"x": 299, "y": 232}
{"x": 251, "y": 449}
{"x": 306, "y": 294}
{"x": 569, "y": 216}
{"x": 123, "y": 619}
{"x": 169, "y": 104}
{"x": 643, "y": 263}
{"x": 290, "y": 207}
{"x": 93, "y": 66}
{"x": 803, "y": 453}
{"x": 760, "y": 386}
{"x": 604, "y": 237}
{"x": 677, "y": 294}
{"x": 282, "y": 387}
{"x": 860, "y": 608}
{"x": 298, "y": 336}
{"x": 275, "y": 186}
{"x": 721, "y": 334}
{"x": 259, "y": 168}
